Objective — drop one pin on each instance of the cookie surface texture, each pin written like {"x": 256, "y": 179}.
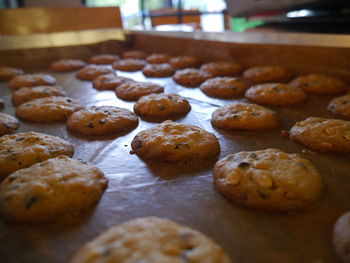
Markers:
{"x": 224, "y": 87}
{"x": 129, "y": 64}
{"x": 266, "y": 74}
{"x": 190, "y": 77}
{"x": 158, "y": 70}
{"x": 103, "y": 59}
{"x": 340, "y": 106}
{"x": 31, "y": 80}
{"x": 134, "y": 54}
{"x": 103, "y": 120}
{"x": 21, "y": 150}
{"x": 7, "y": 73}
{"x": 135, "y": 90}
{"x": 157, "y": 58}
{"x": 53, "y": 189}
{"x": 221, "y": 68}
{"x": 325, "y": 135}
{"x": 268, "y": 180}
{"x": 67, "y": 65}
{"x": 8, "y": 124}
{"x": 175, "y": 142}
{"x": 109, "y": 81}
{"x": 151, "y": 239}
{"x": 90, "y": 72}
{"x": 182, "y": 62}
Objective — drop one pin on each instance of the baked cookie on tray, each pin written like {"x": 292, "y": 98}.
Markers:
{"x": 268, "y": 180}
{"x": 67, "y": 65}
{"x": 320, "y": 84}
{"x": 23, "y": 95}
{"x": 7, "y": 73}
{"x": 48, "y": 109}
{"x": 103, "y": 59}
{"x": 158, "y": 70}
{"x": 151, "y": 239}
{"x": 190, "y": 77}
{"x": 132, "y": 91}
{"x": 8, "y": 124}
{"x": 266, "y": 74}
{"x": 158, "y": 58}
{"x": 45, "y": 192}
{"x": 91, "y": 72}
{"x": 277, "y": 94}
{"x": 129, "y": 64}
{"x": 182, "y": 62}
{"x": 325, "y": 135}
{"x": 340, "y": 106}
{"x": 21, "y": 150}
{"x": 224, "y": 87}
{"x": 161, "y": 105}
{"x": 135, "y": 54}
{"x": 341, "y": 237}
{"x": 31, "y": 80}
{"x": 221, "y": 68}
{"x": 109, "y": 81}
{"x": 175, "y": 142}
{"x": 243, "y": 116}
{"x": 103, "y": 120}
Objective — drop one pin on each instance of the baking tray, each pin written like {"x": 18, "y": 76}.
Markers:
{"x": 185, "y": 193}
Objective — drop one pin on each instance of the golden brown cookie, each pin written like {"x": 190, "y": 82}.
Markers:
{"x": 103, "y": 59}
{"x": 190, "y": 77}
{"x": 243, "y": 116}
{"x": 340, "y": 106}
{"x": 67, "y": 65}
{"x": 26, "y": 94}
{"x": 224, "y": 87}
{"x": 48, "y": 109}
{"x": 90, "y": 72}
{"x": 109, "y": 81}
{"x": 151, "y": 239}
{"x": 221, "y": 68}
{"x": 158, "y": 70}
{"x": 158, "y": 58}
{"x": 31, "y": 80}
{"x": 135, "y": 54}
{"x": 175, "y": 142}
{"x": 325, "y": 135}
{"x": 7, "y": 73}
{"x": 103, "y": 120}
{"x": 320, "y": 84}
{"x": 8, "y": 124}
{"x": 182, "y": 62}
{"x": 341, "y": 237}
{"x": 21, "y": 150}
{"x": 266, "y": 74}
{"x": 135, "y": 90}
{"x": 268, "y": 180}
{"x": 51, "y": 190}
{"x": 276, "y": 94}
{"x": 129, "y": 64}
{"x": 161, "y": 105}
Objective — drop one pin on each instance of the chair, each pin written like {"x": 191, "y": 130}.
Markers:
{"x": 171, "y": 17}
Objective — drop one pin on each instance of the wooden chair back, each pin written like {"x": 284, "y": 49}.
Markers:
{"x": 173, "y": 17}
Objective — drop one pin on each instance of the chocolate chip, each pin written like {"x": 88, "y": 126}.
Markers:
{"x": 19, "y": 139}
{"x": 253, "y": 156}
{"x": 137, "y": 144}
{"x": 179, "y": 145}
{"x": 243, "y": 165}
{"x": 68, "y": 100}
{"x": 263, "y": 195}
{"x": 345, "y": 102}
{"x": 161, "y": 108}
{"x": 31, "y": 201}
{"x": 91, "y": 125}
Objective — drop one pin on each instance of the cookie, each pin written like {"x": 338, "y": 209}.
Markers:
{"x": 135, "y": 90}
{"x": 90, "y": 72}
{"x": 103, "y": 120}
{"x": 340, "y": 106}
{"x": 109, "y": 82}
{"x": 341, "y": 237}
{"x": 158, "y": 70}
{"x": 276, "y": 94}
{"x": 8, "y": 124}
{"x": 21, "y": 150}
{"x": 182, "y": 62}
{"x": 67, "y": 65}
{"x": 268, "y": 180}
{"x": 151, "y": 239}
{"x": 266, "y": 74}
{"x": 45, "y": 192}
{"x": 48, "y": 109}
{"x": 31, "y": 80}
{"x": 190, "y": 77}
{"x": 129, "y": 64}
{"x": 23, "y": 95}
{"x": 161, "y": 105}
{"x": 158, "y": 58}
{"x": 175, "y": 142}
{"x": 103, "y": 59}
{"x": 320, "y": 84}
{"x": 7, "y": 73}
{"x": 325, "y": 135}
{"x": 135, "y": 54}
{"x": 243, "y": 116}
{"x": 221, "y": 68}
{"x": 224, "y": 87}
